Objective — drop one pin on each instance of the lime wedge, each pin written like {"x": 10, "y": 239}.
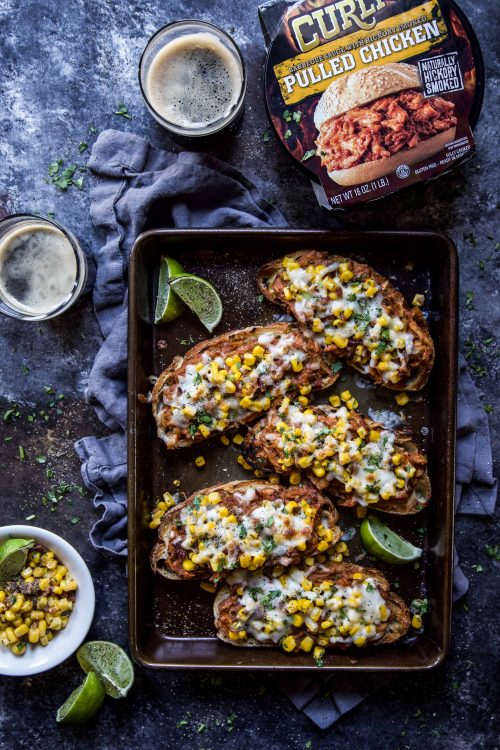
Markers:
{"x": 83, "y": 702}
{"x": 201, "y": 297}
{"x": 110, "y": 663}
{"x": 168, "y": 305}
{"x": 386, "y": 545}
{"x": 13, "y": 553}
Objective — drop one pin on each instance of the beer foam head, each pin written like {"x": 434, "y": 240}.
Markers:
{"x": 194, "y": 81}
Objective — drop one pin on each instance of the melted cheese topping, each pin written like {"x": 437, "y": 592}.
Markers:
{"x": 218, "y": 392}
{"x": 342, "y": 309}
{"x": 292, "y": 610}
{"x": 365, "y": 462}
{"x": 223, "y": 539}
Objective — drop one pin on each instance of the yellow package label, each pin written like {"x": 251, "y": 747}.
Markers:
{"x": 392, "y": 40}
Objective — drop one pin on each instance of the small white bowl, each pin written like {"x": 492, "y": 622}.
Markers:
{"x": 65, "y": 642}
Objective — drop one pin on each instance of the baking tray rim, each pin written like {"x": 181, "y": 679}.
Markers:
{"x": 448, "y": 507}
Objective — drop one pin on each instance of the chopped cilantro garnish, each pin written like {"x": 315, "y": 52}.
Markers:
{"x": 269, "y": 545}
{"x": 267, "y": 601}
{"x": 122, "y": 111}
{"x": 469, "y": 300}
{"x": 297, "y": 116}
{"x": 370, "y": 587}
{"x": 243, "y": 532}
{"x": 336, "y": 366}
{"x": 254, "y": 591}
{"x": 419, "y": 606}
{"x": 309, "y": 154}
{"x": 493, "y": 552}
{"x": 287, "y": 115}
{"x": 82, "y": 146}
{"x": 287, "y": 134}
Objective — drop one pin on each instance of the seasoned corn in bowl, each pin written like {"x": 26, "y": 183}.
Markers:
{"x": 46, "y": 607}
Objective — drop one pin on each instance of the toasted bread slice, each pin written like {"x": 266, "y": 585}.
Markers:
{"x": 354, "y": 459}
{"x": 252, "y": 524}
{"x": 256, "y": 609}
{"x": 354, "y": 314}
{"x": 229, "y": 380}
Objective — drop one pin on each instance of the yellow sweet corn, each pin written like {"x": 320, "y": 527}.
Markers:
{"x": 288, "y": 643}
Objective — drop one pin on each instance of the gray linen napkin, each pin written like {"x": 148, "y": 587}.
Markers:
{"x": 138, "y": 187}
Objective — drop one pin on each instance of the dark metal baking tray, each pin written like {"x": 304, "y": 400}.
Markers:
{"x": 171, "y": 623}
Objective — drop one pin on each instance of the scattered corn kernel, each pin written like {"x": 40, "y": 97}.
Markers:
{"x": 402, "y": 399}
{"x": 288, "y": 643}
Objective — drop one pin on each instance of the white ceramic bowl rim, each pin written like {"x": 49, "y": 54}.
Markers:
{"x": 38, "y": 659}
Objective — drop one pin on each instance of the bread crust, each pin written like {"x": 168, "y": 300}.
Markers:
{"x": 422, "y": 358}
{"x": 372, "y": 169}
{"x": 342, "y": 574}
{"x": 363, "y": 87}
{"x": 259, "y": 453}
{"x": 231, "y": 342}
{"x": 163, "y": 554}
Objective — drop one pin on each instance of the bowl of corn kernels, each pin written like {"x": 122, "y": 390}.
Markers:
{"x": 47, "y": 602}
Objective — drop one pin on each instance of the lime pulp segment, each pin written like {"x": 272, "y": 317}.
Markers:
{"x": 110, "y": 663}
{"x": 13, "y": 553}
{"x": 384, "y": 544}
{"x": 201, "y": 297}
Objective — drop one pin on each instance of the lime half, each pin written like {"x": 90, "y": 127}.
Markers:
{"x": 110, "y": 663}
{"x": 168, "y": 305}
{"x": 13, "y": 553}
{"x": 201, "y": 297}
{"x": 83, "y": 702}
{"x": 386, "y": 545}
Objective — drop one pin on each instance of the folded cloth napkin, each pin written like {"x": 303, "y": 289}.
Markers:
{"x": 139, "y": 187}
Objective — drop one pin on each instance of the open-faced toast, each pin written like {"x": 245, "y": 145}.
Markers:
{"x": 229, "y": 380}
{"x": 354, "y": 314}
{"x": 355, "y": 460}
{"x": 334, "y": 605}
{"x": 245, "y": 524}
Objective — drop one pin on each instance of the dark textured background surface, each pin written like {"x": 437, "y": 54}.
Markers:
{"x": 65, "y": 67}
